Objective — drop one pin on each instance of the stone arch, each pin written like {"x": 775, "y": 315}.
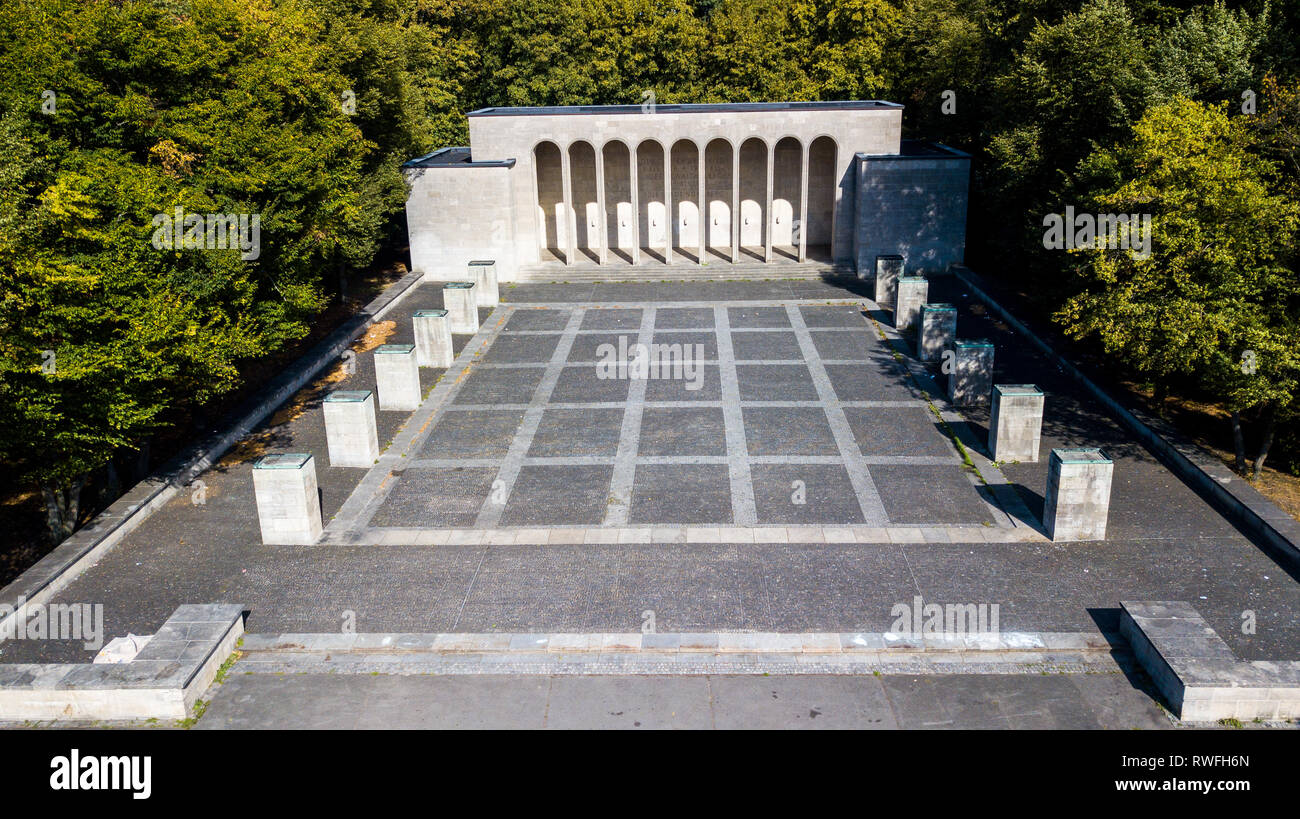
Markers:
{"x": 549, "y": 181}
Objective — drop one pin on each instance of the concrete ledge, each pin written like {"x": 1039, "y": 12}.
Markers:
{"x": 163, "y": 681}
{"x": 683, "y": 653}
{"x": 1234, "y": 496}
{"x": 1198, "y": 674}
{"x": 89, "y": 544}
{"x": 722, "y": 642}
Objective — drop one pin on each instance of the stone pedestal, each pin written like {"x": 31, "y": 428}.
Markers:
{"x": 483, "y": 272}
{"x": 397, "y": 377}
{"x": 288, "y": 502}
{"x": 1016, "y": 424}
{"x": 936, "y": 331}
{"x": 433, "y": 338}
{"x": 1078, "y": 494}
{"x": 350, "y": 428}
{"x": 889, "y": 269}
{"x": 971, "y": 380}
{"x": 912, "y": 293}
{"x": 461, "y": 301}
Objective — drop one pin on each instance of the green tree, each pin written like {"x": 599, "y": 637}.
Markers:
{"x": 1215, "y": 300}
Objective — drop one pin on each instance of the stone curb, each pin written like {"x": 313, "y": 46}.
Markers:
{"x": 1234, "y": 496}
{"x": 89, "y": 544}
{"x": 1198, "y": 673}
{"x": 864, "y": 644}
{"x": 163, "y": 681}
{"x": 533, "y": 536}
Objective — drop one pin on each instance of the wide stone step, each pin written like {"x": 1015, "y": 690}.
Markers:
{"x": 720, "y": 271}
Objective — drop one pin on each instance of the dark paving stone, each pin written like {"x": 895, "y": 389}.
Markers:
{"x": 436, "y": 497}
{"x": 788, "y": 431}
{"x": 704, "y": 384}
{"x": 590, "y": 346}
{"x": 881, "y": 380}
{"x": 535, "y": 319}
{"x": 682, "y": 431}
{"x": 691, "y": 493}
{"x": 757, "y": 317}
{"x": 845, "y": 346}
{"x": 676, "y": 344}
{"x": 500, "y": 386}
{"x": 929, "y": 495}
{"x": 472, "y": 434}
{"x": 826, "y": 492}
{"x": 584, "y": 385}
{"x": 558, "y": 496}
{"x": 521, "y": 349}
{"x": 775, "y": 382}
{"x": 898, "y": 431}
{"x": 775, "y": 346}
{"x": 833, "y": 316}
{"x": 577, "y": 432}
{"x": 673, "y": 318}
{"x": 612, "y": 319}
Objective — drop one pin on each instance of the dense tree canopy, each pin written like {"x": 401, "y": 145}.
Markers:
{"x": 301, "y": 111}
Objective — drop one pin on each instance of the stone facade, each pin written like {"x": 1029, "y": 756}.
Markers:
{"x": 697, "y": 184}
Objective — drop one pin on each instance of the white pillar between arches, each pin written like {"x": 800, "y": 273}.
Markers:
{"x": 803, "y": 202}
{"x": 669, "y": 220}
{"x": 633, "y": 154}
{"x": 767, "y": 208}
{"x": 702, "y": 207}
{"x": 735, "y": 204}
{"x": 570, "y": 227}
{"x": 600, "y": 205}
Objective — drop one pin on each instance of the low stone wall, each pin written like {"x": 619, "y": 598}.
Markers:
{"x": 1232, "y": 495}
{"x": 1198, "y": 674}
{"x": 90, "y": 543}
{"x": 163, "y": 681}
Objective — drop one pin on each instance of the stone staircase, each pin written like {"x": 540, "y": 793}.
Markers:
{"x": 654, "y": 271}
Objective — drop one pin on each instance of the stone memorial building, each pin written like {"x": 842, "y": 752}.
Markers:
{"x": 631, "y": 190}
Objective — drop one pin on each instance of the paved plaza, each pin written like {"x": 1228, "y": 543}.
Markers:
{"x": 752, "y": 414}
{"x": 861, "y": 436}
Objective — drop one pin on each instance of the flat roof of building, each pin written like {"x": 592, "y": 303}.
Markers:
{"x": 684, "y": 108}
{"x": 455, "y": 157}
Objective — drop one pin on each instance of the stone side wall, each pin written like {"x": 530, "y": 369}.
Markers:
{"x": 456, "y": 214}
{"x": 913, "y": 207}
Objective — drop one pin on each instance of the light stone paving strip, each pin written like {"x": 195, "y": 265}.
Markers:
{"x": 743, "y": 510}
{"x": 496, "y": 501}
{"x": 540, "y": 536}
{"x": 686, "y": 653}
{"x": 629, "y": 439}
{"x": 370, "y": 492}
{"x": 873, "y": 509}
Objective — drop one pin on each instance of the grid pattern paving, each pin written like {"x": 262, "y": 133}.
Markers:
{"x": 792, "y": 415}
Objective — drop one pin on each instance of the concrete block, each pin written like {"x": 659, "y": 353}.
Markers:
{"x": 433, "y": 338}
{"x": 483, "y": 272}
{"x": 288, "y": 501}
{"x": 912, "y": 293}
{"x": 350, "y": 428}
{"x": 971, "y": 380}
{"x": 1078, "y": 494}
{"x": 461, "y": 301}
{"x": 889, "y": 269}
{"x": 397, "y": 377}
{"x": 936, "y": 331}
{"x": 1016, "y": 423}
